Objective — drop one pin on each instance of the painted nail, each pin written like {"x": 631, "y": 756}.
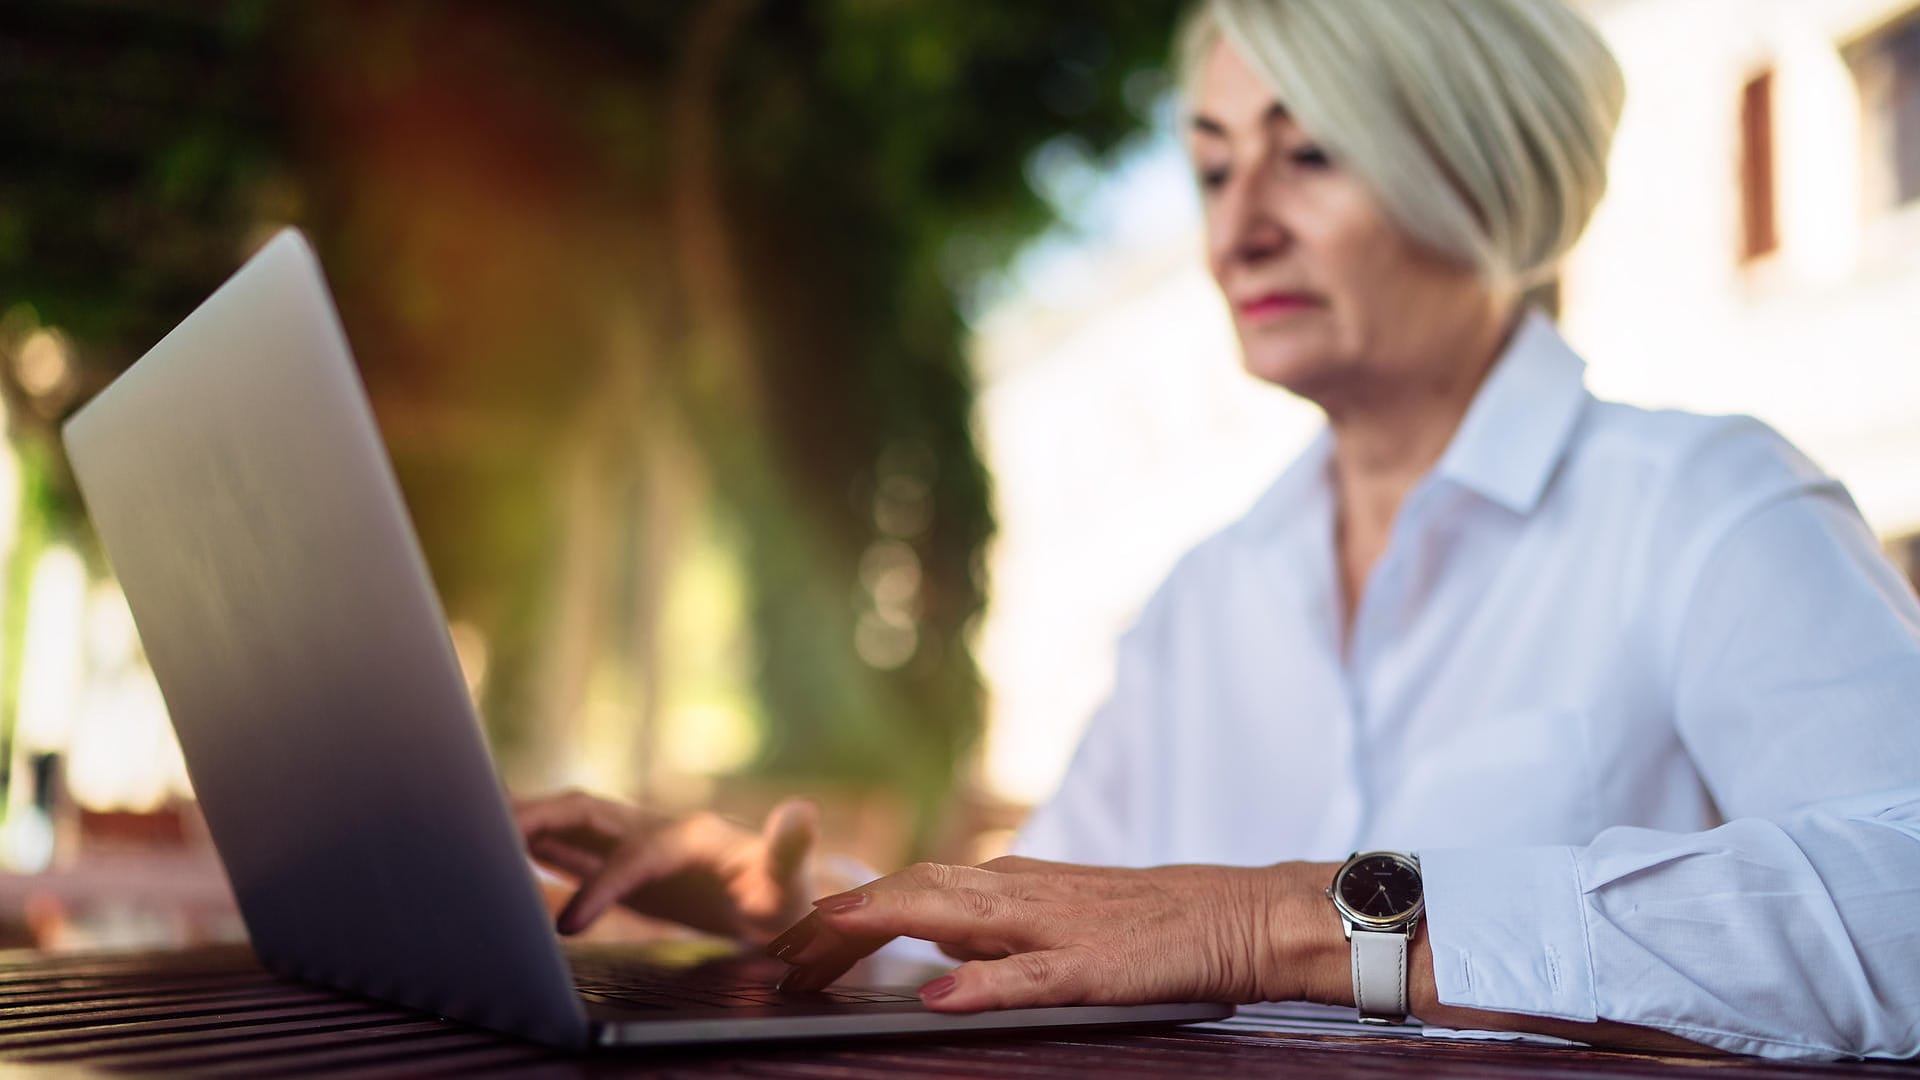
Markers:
{"x": 798, "y": 981}
{"x": 938, "y": 988}
{"x": 796, "y": 938}
{"x": 840, "y": 905}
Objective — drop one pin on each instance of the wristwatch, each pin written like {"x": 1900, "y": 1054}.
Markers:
{"x": 1379, "y": 897}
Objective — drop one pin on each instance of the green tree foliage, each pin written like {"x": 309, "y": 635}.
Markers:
{"x": 619, "y": 275}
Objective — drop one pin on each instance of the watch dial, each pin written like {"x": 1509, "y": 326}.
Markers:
{"x": 1380, "y": 887}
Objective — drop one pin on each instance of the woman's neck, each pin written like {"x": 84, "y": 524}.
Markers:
{"x": 1384, "y": 442}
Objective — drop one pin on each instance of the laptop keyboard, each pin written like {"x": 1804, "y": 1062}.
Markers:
{"x": 719, "y": 984}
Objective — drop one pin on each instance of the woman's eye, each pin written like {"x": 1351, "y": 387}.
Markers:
{"x": 1212, "y": 179}
{"x": 1311, "y": 157}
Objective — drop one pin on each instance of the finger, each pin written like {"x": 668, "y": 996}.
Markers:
{"x": 591, "y": 841}
{"x": 1037, "y": 879}
{"x": 794, "y": 939}
{"x": 830, "y": 953}
{"x": 959, "y": 953}
{"x": 573, "y": 811}
{"x": 566, "y": 858}
{"x": 1014, "y": 864}
{"x": 630, "y": 867}
{"x": 975, "y": 919}
{"x": 925, "y": 877}
{"x": 1023, "y": 980}
{"x": 547, "y": 811}
{"x": 943, "y": 904}
{"x": 790, "y": 832}
{"x": 933, "y": 877}
{"x": 1020, "y": 864}
{"x": 821, "y": 954}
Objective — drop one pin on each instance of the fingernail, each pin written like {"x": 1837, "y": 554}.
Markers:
{"x": 798, "y": 981}
{"x": 796, "y": 938}
{"x": 840, "y": 905}
{"x": 938, "y": 988}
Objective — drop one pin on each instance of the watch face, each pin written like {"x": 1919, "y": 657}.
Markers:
{"x": 1380, "y": 887}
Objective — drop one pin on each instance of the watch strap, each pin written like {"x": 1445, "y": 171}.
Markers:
{"x": 1380, "y": 975}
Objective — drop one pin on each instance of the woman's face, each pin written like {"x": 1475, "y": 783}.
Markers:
{"x": 1329, "y": 298}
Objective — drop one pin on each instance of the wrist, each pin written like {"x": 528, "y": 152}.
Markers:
{"x": 1305, "y": 955}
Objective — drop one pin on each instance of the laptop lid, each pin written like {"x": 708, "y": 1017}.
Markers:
{"x": 244, "y": 498}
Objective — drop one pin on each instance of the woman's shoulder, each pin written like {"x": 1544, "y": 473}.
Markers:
{"x": 1687, "y": 460}
{"x": 1686, "y": 482}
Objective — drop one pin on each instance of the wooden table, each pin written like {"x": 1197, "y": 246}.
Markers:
{"x": 213, "y": 1011}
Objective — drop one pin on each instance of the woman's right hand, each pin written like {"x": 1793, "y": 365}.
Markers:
{"x": 702, "y": 871}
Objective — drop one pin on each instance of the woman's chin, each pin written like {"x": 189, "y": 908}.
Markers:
{"x": 1297, "y": 370}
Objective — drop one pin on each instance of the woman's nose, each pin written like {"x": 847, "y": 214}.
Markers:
{"x": 1248, "y": 226}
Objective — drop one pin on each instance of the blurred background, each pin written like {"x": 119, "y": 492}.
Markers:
{"x": 801, "y": 397}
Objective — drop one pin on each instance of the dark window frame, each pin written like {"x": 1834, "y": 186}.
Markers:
{"x": 1759, "y": 187}
{"x": 1885, "y": 64}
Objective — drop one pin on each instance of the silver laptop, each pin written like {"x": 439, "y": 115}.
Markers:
{"x": 244, "y": 498}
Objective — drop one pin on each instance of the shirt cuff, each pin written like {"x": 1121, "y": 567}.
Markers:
{"x": 1508, "y": 928}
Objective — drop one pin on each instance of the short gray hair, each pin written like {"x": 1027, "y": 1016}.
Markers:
{"x": 1482, "y": 126}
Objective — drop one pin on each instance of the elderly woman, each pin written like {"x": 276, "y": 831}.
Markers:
{"x": 1637, "y": 688}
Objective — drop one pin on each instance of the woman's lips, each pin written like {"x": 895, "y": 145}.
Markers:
{"x": 1274, "y": 305}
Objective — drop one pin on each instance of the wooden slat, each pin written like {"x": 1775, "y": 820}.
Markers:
{"x": 213, "y": 1012}
{"x": 110, "y": 1041}
{"x": 306, "y": 1015}
{"x": 52, "y": 991}
{"x": 263, "y": 1052}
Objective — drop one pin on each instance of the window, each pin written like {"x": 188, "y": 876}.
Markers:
{"x": 1758, "y": 233}
{"x": 1886, "y": 65}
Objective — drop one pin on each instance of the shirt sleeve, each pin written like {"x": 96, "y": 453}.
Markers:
{"x": 1789, "y": 930}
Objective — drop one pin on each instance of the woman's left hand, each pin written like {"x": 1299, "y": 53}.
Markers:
{"x": 1040, "y": 933}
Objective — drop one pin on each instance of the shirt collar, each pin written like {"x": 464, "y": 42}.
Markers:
{"x": 1520, "y": 422}
{"x": 1507, "y": 446}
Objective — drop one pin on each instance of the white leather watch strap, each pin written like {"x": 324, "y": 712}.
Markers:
{"x": 1380, "y": 975}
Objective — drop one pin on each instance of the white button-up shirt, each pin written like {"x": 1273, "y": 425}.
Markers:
{"x": 1639, "y": 688}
